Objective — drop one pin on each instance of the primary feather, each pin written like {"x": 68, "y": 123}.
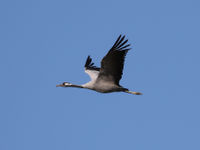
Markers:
{"x": 112, "y": 64}
{"x": 90, "y": 69}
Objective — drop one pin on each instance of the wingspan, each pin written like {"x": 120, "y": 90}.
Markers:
{"x": 90, "y": 69}
{"x": 112, "y": 64}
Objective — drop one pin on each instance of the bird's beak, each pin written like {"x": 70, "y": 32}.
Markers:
{"x": 59, "y": 85}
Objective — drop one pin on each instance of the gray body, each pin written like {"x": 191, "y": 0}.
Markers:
{"x": 105, "y": 87}
{"x": 106, "y": 79}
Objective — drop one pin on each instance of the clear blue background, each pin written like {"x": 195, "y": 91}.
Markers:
{"x": 45, "y": 42}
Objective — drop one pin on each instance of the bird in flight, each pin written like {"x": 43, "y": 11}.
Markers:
{"x": 106, "y": 79}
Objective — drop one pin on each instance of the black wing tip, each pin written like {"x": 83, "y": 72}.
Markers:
{"x": 88, "y": 61}
{"x": 121, "y": 43}
{"x": 121, "y": 36}
{"x": 90, "y": 65}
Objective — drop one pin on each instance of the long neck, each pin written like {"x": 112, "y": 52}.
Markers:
{"x": 74, "y": 85}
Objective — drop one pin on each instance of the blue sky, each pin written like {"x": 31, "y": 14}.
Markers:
{"x": 44, "y": 43}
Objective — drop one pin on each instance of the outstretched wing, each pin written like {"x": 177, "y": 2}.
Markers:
{"x": 112, "y": 64}
{"x": 90, "y": 69}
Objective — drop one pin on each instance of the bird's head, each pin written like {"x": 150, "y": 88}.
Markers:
{"x": 64, "y": 84}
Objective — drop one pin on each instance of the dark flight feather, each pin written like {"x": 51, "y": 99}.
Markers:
{"x": 90, "y": 65}
{"x": 113, "y": 63}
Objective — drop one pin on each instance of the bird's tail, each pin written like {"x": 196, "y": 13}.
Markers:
{"x": 135, "y": 93}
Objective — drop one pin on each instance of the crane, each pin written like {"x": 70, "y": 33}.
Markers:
{"x": 106, "y": 79}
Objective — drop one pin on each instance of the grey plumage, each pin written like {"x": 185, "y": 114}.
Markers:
{"x": 106, "y": 79}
